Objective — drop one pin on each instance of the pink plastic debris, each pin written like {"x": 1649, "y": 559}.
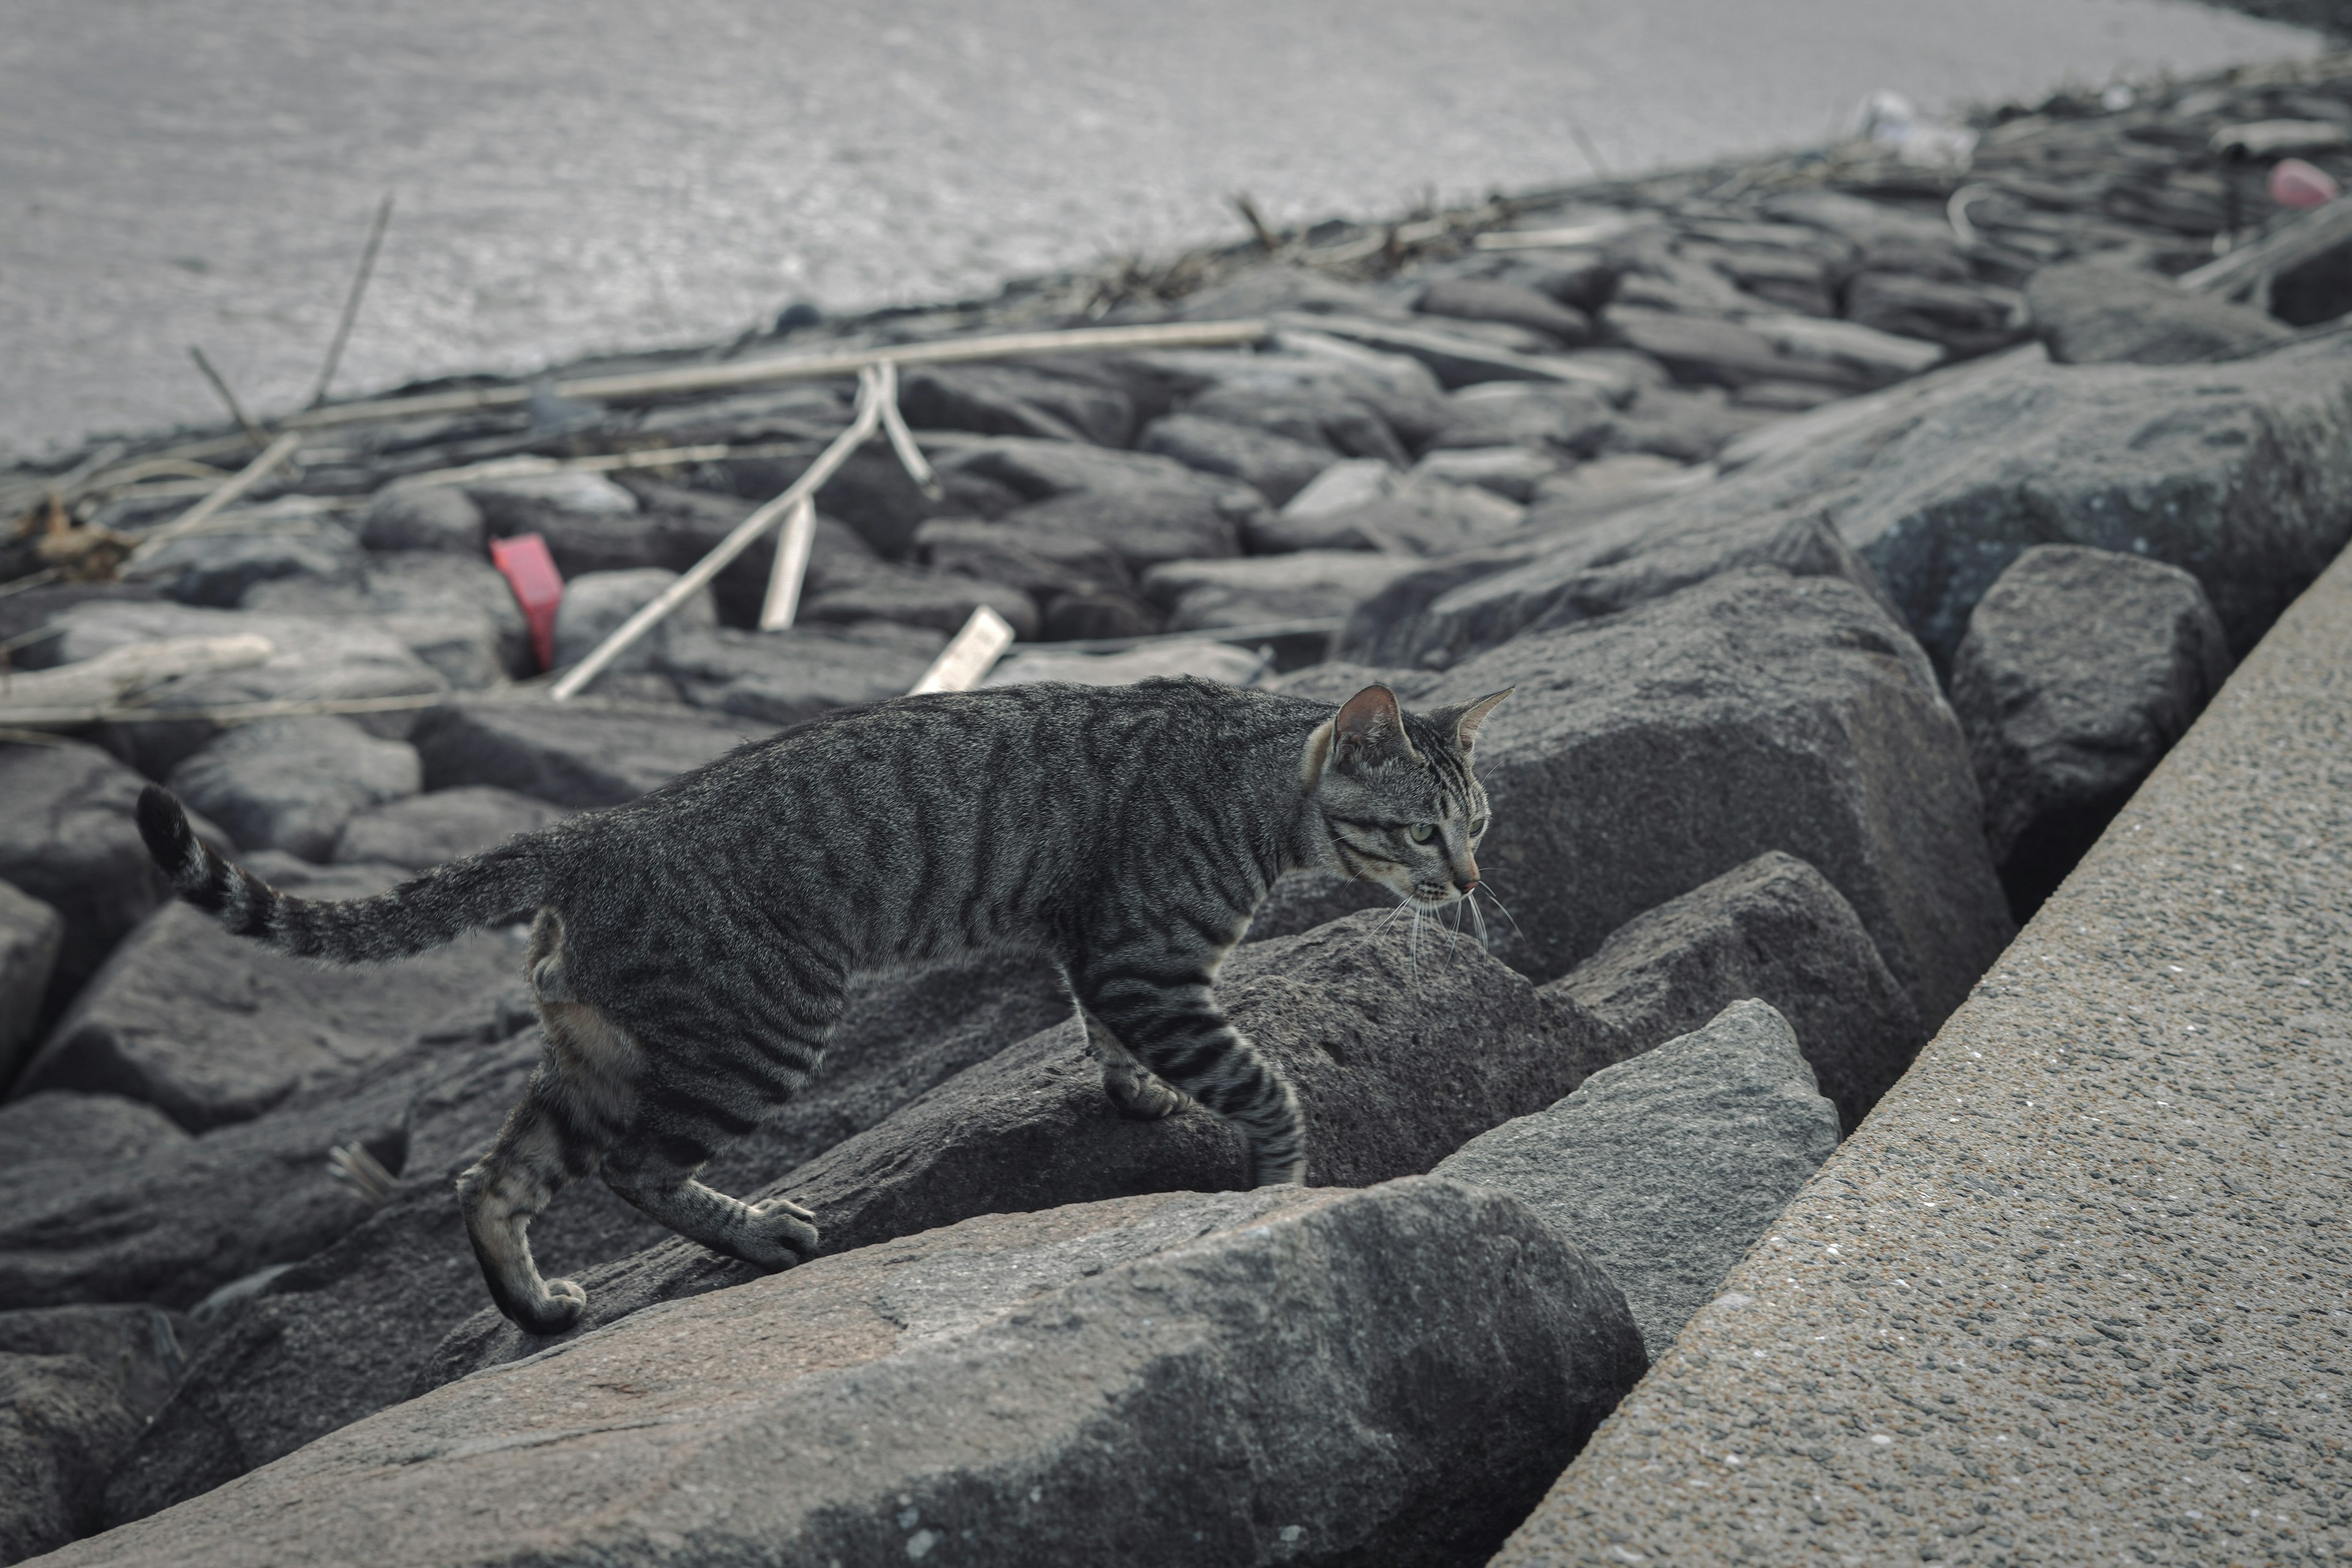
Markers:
{"x": 538, "y": 587}
{"x": 2295, "y": 183}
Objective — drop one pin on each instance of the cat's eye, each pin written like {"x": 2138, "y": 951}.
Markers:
{"x": 1478, "y": 827}
{"x": 1421, "y": 832}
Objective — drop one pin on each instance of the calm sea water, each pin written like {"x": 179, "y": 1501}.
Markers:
{"x": 582, "y": 174}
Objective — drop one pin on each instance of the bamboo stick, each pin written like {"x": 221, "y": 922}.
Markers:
{"x": 243, "y": 480}
{"x": 969, "y": 655}
{"x": 793, "y": 547}
{"x": 2313, "y": 234}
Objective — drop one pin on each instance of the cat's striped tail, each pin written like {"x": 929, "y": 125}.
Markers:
{"x": 415, "y": 917}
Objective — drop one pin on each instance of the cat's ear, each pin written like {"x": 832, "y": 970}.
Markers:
{"x": 1467, "y": 718}
{"x": 1369, "y": 728}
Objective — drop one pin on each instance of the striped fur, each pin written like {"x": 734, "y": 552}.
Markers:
{"x": 689, "y": 950}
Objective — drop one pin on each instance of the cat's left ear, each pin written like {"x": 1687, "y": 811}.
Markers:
{"x": 1467, "y": 718}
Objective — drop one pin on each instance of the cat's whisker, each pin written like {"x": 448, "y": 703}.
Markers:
{"x": 1503, "y": 909}
{"x": 1478, "y": 919}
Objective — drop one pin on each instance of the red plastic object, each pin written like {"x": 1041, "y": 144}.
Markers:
{"x": 538, "y": 587}
{"x": 2295, "y": 183}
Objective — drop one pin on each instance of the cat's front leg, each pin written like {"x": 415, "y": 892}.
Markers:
{"x": 1168, "y": 1021}
{"x": 1134, "y": 1089}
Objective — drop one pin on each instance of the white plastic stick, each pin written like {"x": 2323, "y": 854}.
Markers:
{"x": 783, "y": 601}
{"x": 970, "y": 656}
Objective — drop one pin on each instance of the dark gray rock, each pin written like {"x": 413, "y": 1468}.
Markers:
{"x": 31, "y": 932}
{"x": 596, "y": 605}
{"x": 1667, "y": 1168}
{"x": 215, "y": 569}
{"x": 68, "y": 839}
{"x": 791, "y": 676}
{"x": 1776, "y": 931}
{"x": 1301, "y": 901}
{"x": 344, "y": 1332}
{"x": 1283, "y": 286}
{"x": 1312, "y": 414}
{"x": 917, "y": 596}
{"x": 1041, "y": 562}
{"x": 2235, "y": 472}
{"x": 1966, "y": 317}
{"x": 139, "y": 1350}
{"x": 1708, "y": 351}
{"x": 211, "y": 1028}
{"x": 1646, "y": 753}
{"x": 292, "y": 784}
{"x": 993, "y": 1390}
{"x": 542, "y": 503}
{"x": 1172, "y": 655}
{"x": 1514, "y": 473}
{"x": 1686, "y": 427}
{"x": 440, "y": 517}
{"x": 1399, "y": 1050}
{"x": 1331, "y": 371}
{"x": 1574, "y": 421}
{"x": 1149, "y": 509}
{"x": 574, "y": 756}
{"x": 1423, "y": 517}
{"x": 314, "y": 657}
{"x": 2080, "y": 669}
{"x": 1499, "y": 300}
{"x": 1309, "y": 585}
{"x": 87, "y": 1131}
{"x": 1273, "y": 465}
{"x": 454, "y": 611}
{"x": 63, "y": 1427}
{"x": 1015, "y": 400}
{"x": 2087, "y": 314}
{"x": 426, "y": 830}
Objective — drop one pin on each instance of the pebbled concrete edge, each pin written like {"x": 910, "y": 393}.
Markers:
{"x": 2077, "y": 1291}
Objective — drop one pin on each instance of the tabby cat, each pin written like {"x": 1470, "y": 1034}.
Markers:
{"x": 688, "y": 951}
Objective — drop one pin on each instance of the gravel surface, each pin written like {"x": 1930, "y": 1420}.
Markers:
{"x": 2076, "y": 1290}
{"x": 593, "y": 173}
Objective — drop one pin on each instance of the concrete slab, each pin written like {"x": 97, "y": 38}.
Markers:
{"x": 2077, "y": 1291}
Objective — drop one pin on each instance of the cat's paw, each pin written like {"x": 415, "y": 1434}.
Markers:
{"x": 781, "y": 1233}
{"x": 1143, "y": 1097}
{"x": 556, "y": 1311}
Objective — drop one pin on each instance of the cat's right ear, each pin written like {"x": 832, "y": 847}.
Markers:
{"x": 1369, "y": 728}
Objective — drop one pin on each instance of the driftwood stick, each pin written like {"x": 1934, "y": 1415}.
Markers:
{"x": 969, "y": 655}
{"x": 902, "y": 441}
{"x": 352, "y": 300}
{"x": 791, "y": 570}
{"x": 243, "y": 480}
{"x": 2315, "y": 232}
{"x": 111, "y": 677}
{"x": 799, "y": 367}
{"x": 253, "y": 433}
{"x": 601, "y": 463}
{"x": 699, "y": 576}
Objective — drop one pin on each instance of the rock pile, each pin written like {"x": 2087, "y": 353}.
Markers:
{"x": 1856, "y": 534}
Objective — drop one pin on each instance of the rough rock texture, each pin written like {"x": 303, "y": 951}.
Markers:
{"x": 292, "y": 784}
{"x": 2235, "y": 472}
{"x": 916, "y": 597}
{"x": 1015, "y": 400}
{"x": 139, "y": 1349}
{"x": 211, "y": 1028}
{"x": 425, "y": 517}
{"x": 31, "y": 932}
{"x": 313, "y": 657}
{"x": 596, "y": 603}
{"x": 285, "y": 540}
{"x": 1774, "y": 930}
{"x": 1149, "y": 509}
{"x": 1666, "y": 1169}
{"x": 1499, "y": 300}
{"x": 424, "y": 830}
{"x": 1642, "y": 755}
{"x": 344, "y": 1333}
{"x": 63, "y": 1426}
{"x": 1398, "y": 1055}
{"x": 1277, "y": 465}
{"x": 791, "y": 676}
{"x": 2080, "y": 669}
{"x": 1309, "y": 583}
{"x": 1165, "y": 656}
{"x": 580, "y": 757}
{"x": 454, "y": 611}
{"x": 85, "y": 1129}
{"x": 68, "y": 839}
{"x": 1384, "y": 1376}
{"x": 1571, "y": 421}
{"x": 2089, "y": 314}
{"x": 1416, "y": 518}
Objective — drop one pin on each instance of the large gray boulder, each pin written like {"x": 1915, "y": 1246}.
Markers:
{"x": 311, "y": 658}
{"x": 211, "y": 1028}
{"x": 1399, "y": 1045}
{"x": 597, "y": 603}
{"x": 442, "y": 518}
{"x": 89, "y": 1130}
{"x": 346, "y": 1332}
{"x": 1275, "y": 466}
{"x": 917, "y": 596}
{"x": 1148, "y": 508}
{"x": 2237, "y": 473}
{"x": 30, "y": 934}
{"x": 1416, "y": 517}
{"x": 68, "y": 839}
{"x": 2088, "y": 313}
{"x": 456, "y": 612}
{"x": 423, "y": 831}
{"x": 1646, "y": 753}
{"x": 1383, "y": 1376}
{"x": 1774, "y": 930}
{"x": 1256, "y": 589}
{"x": 577, "y": 756}
{"x": 1667, "y": 1168}
{"x": 2080, "y": 669}
{"x": 791, "y": 676}
{"x": 288, "y": 538}
{"x": 292, "y": 784}
{"x": 63, "y": 1427}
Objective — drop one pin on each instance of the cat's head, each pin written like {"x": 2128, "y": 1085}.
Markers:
{"x": 1399, "y": 799}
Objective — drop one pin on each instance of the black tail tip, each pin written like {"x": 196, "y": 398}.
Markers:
{"x": 165, "y": 828}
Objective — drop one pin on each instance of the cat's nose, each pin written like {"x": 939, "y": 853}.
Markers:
{"x": 1467, "y": 881}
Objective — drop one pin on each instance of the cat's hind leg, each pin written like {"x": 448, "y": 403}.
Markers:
{"x": 547, "y": 1141}
{"x": 774, "y": 1234}
{"x": 1134, "y": 1089}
